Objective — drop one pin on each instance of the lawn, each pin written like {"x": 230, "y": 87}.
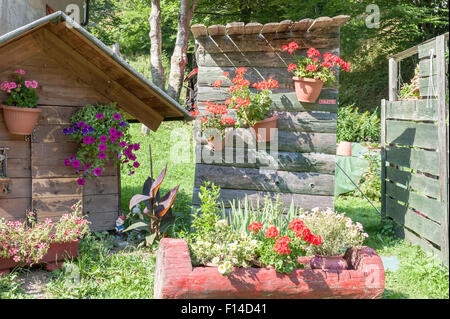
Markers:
{"x": 103, "y": 270}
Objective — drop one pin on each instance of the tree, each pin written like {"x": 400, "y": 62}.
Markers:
{"x": 156, "y": 65}
{"x": 179, "y": 57}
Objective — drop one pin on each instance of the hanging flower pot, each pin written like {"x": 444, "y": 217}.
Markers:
{"x": 20, "y": 120}
{"x": 20, "y": 112}
{"x": 264, "y": 130}
{"x": 307, "y": 90}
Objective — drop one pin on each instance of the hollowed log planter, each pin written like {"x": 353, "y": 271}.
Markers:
{"x": 175, "y": 277}
{"x": 57, "y": 252}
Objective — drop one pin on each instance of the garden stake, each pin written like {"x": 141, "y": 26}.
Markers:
{"x": 358, "y": 188}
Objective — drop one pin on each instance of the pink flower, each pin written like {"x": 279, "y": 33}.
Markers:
{"x": 99, "y": 116}
{"x": 76, "y": 163}
{"x": 136, "y": 164}
{"x": 20, "y": 71}
{"x": 16, "y": 259}
{"x": 112, "y": 131}
{"x": 103, "y": 139}
{"x": 113, "y": 138}
{"x": 101, "y": 155}
{"x": 123, "y": 144}
{"x": 136, "y": 147}
{"x": 34, "y": 84}
{"x": 102, "y": 147}
{"x": 97, "y": 171}
{"x": 81, "y": 181}
{"x": 66, "y": 162}
{"x": 116, "y": 116}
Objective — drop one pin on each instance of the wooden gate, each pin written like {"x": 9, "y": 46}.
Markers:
{"x": 415, "y": 151}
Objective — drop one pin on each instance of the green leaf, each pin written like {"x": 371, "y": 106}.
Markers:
{"x": 137, "y": 225}
{"x": 150, "y": 239}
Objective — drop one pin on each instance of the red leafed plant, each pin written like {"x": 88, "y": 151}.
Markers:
{"x": 156, "y": 207}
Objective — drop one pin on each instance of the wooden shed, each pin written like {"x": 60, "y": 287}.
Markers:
{"x": 304, "y": 150}
{"x": 73, "y": 69}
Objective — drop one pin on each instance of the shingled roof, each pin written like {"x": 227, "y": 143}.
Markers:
{"x": 62, "y": 39}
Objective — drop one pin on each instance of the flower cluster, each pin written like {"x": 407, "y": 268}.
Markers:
{"x": 337, "y": 231}
{"x": 224, "y": 248}
{"x": 216, "y": 118}
{"x": 22, "y": 93}
{"x": 102, "y": 134}
{"x": 312, "y": 67}
{"x": 250, "y": 107}
{"x": 28, "y": 242}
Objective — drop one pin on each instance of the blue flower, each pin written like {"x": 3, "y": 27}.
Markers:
{"x": 123, "y": 124}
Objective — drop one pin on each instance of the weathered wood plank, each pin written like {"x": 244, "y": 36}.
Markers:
{"x": 57, "y": 115}
{"x": 284, "y": 26}
{"x": 424, "y": 49}
{"x": 421, "y": 225}
{"x": 421, "y": 242}
{"x": 101, "y": 221}
{"x": 19, "y": 167}
{"x": 235, "y": 28}
{"x": 306, "y": 202}
{"x": 302, "y": 25}
{"x": 425, "y": 185}
{"x": 17, "y": 148}
{"x": 56, "y": 187}
{"x": 253, "y": 28}
{"x": 199, "y": 30}
{"x": 46, "y": 169}
{"x": 284, "y": 161}
{"x": 318, "y": 122}
{"x": 102, "y": 185}
{"x": 265, "y": 180}
{"x": 393, "y": 84}
{"x": 13, "y": 208}
{"x": 424, "y": 67}
{"x": 421, "y": 160}
{"x": 415, "y": 110}
{"x": 270, "y": 27}
{"x": 49, "y": 152}
{"x": 383, "y": 169}
{"x": 5, "y": 134}
{"x": 54, "y": 206}
{"x": 254, "y": 59}
{"x": 427, "y": 206}
{"x": 52, "y": 134}
{"x": 323, "y": 22}
{"x": 282, "y": 100}
{"x": 216, "y": 30}
{"x": 100, "y": 203}
{"x": 20, "y": 188}
{"x": 412, "y": 134}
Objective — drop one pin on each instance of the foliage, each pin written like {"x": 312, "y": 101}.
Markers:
{"x": 215, "y": 119}
{"x": 22, "y": 93}
{"x": 29, "y": 241}
{"x": 10, "y": 287}
{"x": 338, "y": 232}
{"x": 102, "y": 132}
{"x": 249, "y": 107}
{"x": 156, "y": 207}
{"x": 310, "y": 66}
{"x": 370, "y": 183}
{"x": 353, "y": 126}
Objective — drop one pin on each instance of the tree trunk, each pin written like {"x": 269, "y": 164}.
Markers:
{"x": 179, "y": 57}
{"x": 157, "y": 69}
{"x": 156, "y": 66}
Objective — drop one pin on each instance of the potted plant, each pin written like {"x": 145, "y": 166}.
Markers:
{"x": 311, "y": 73}
{"x": 214, "y": 124}
{"x": 338, "y": 233}
{"x": 32, "y": 242}
{"x": 20, "y": 110}
{"x": 102, "y": 134}
{"x": 252, "y": 109}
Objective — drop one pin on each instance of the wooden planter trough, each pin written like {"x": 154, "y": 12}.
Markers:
{"x": 56, "y": 253}
{"x": 175, "y": 277}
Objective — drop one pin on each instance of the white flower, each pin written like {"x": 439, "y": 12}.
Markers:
{"x": 207, "y": 244}
{"x": 215, "y": 260}
{"x": 254, "y": 243}
{"x": 222, "y": 223}
{"x": 365, "y": 235}
{"x": 244, "y": 235}
{"x": 227, "y": 265}
{"x": 222, "y": 269}
{"x": 200, "y": 242}
{"x": 248, "y": 257}
{"x": 216, "y": 246}
{"x": 233, "y": 236}
{"x": 233, "y": 246}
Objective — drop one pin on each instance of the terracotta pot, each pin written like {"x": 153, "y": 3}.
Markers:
{"x": 56, "y": 253}
{"x": 328, "y": 262}
{"x": 20, "y": 120}
{"x": 307, "y": 90}
{"x": 262, "y": 129}
{"x": 344, "y": 149}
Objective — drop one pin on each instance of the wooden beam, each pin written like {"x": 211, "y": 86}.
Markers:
{"x": 393, "y": 82}
{"x": 75, "y": 62}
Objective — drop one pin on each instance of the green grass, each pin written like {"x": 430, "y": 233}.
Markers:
{"x": 420, "y": 275}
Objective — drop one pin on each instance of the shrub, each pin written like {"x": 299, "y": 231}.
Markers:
{"x": 337, "y": 231}
{"x": 353, "y": 126}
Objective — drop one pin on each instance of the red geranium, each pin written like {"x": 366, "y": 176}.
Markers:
{"x": 272, "y": 232}
{"x": 255, "y": 227}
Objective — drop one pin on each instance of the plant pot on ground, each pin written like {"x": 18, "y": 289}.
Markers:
{"x": 20, "y": 110}
{"x": 310, "y": 73}
{"x": 344, "y": 148}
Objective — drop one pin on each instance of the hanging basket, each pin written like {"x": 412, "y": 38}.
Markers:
{"x": 20, "y": 120}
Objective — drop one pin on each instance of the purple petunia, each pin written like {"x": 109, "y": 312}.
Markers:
{"x": 116, "y": 116}
{"x": 123, "y": 124}
{"x": 113, "y": 138}
{"x": 103, "y": 139}
{"x": 136, "y": 147}
{"x": 66, "y": 162}
{"x": 112, "y": 131}
{"x": 131, "y": 173}
{"x": 99, "y": 116}
{"x": 72, "y": 157}
{"x": 102, "y": 147}
{"x": 136, "y": 164}
{"x": 119, "y": 134}
{"x": 76, "y": 163}
{"x": 101, "y": 155}
{"x": 87, "y": 166}
{"x": 97, "y": 171}
{"x": 123, "y": 144}
{"x": 132, "y": 157}
{"x": 88, "y": 139}
{"x": 81, "y": 181}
